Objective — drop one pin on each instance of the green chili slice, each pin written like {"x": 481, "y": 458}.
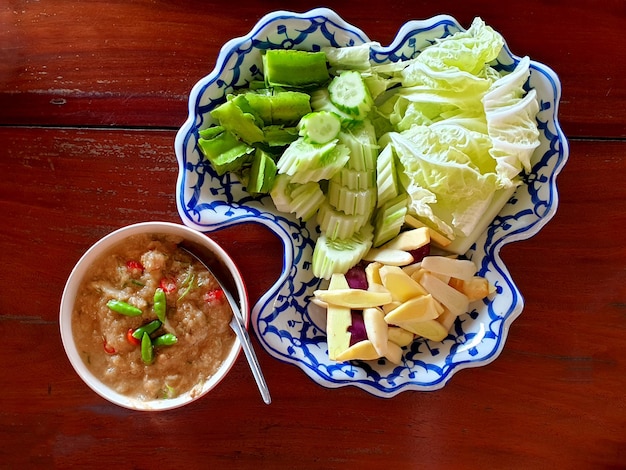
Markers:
{"x": 167, "y": 339}
{"x": 160, "y": 303}
{"x": 190, "y": 283}
{"x": 147, "y": 350}
{"x": 124, "y": 308}
{"x": 147, "y": 328}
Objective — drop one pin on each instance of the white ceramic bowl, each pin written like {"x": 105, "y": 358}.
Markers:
{"x": 287, "y": 327}
{"x": 74, "y": 281}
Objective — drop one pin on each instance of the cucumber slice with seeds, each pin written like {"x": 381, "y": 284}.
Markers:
{"x": 350, "y": 94}
{"x": 320, "y": 127}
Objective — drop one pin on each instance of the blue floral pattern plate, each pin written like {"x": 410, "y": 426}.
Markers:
{"x": 287, "y": 325}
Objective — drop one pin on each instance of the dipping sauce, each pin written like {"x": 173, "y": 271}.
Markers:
{"x": 197, "y": 314}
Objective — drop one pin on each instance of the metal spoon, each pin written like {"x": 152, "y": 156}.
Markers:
{"x": 222, "y": 276}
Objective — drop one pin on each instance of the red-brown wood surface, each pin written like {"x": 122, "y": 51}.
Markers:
{"x": 91, "y": 95}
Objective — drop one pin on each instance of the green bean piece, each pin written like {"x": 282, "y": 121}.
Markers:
{"x": 147, "y": 328}
{"x": 147, "y": 350}
{"x": 167, "y": 339}
{"x": 124, "y": 308}
{"x": 160, "y": 303}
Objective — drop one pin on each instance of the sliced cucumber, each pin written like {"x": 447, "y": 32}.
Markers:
{"x": 351, "y": 201}
{"x": 338, "y": 255}
{"x": 320, "y": 127}
{"x": 305, "y": 161}
{"x": 350, "y": 94}
{"x": 386, "y": 180}
{"x": 338, "y": 224}
{"x": 281, "y": 193}
{"x": 355, "y": 179}
{"x": 389, "y": 219}
{"x": 320, "y": 101}
{"x": 361, "y": 140}
{"x": 306, "y": 200}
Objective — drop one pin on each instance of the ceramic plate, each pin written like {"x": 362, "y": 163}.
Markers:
{"x": 287, "y": 327}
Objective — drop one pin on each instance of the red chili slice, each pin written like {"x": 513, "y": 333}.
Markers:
{"x": 168, "y": 285}
{"x": 215, "y": 295}
{"x": 134, "y": 265}
{"x": 131, "y": 339}
{"x": 108, "y": 349}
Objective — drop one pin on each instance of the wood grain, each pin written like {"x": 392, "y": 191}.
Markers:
{"x": 561, "y": 372}
{"x": 91, "y": 95}
{"x": 124, "y": 64}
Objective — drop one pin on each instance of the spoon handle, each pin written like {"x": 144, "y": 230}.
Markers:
{"x": 244, "y": 338}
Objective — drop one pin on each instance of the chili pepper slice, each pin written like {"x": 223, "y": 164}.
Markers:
{"x": 131, "y": 339}
{"x": 108, "y": 349}
{"x": 167, "y": 339}
{"x": 147, "y": 328}
{"x": 215, "y": 295}
{"x": 124, "y": 308}
{"x": 147, "y": 350}
{"x": 168, "y": 285}
{"x": 160, "y": 303}
{"x": 134, "y": 265}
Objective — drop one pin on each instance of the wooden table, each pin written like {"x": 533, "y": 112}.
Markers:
{"x": 91, "y": 96}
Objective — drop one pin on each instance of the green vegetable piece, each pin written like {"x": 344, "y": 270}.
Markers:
{"x": 147, "y": 328}
{"x": 189, "y": 283}
{"x": 147, "y": 349}
{"x": 294, "y": 68}
{"x": 320, "y": 127}
{"x": 339, "y": 255}
{"x": 168, "y": 392}
{"x": 288, "y": 107}
{"x": 159, "y": 304}
{"x": 350, "y": 94}
{"x": 225, "y": 152}
{"x": 262, "y": 173}
{"x": 279, "y": 136}
{"x": 279, "y": 108}
{"x": 389, "y": 219}
{"x": 305, "y": 161}
{"x": 233, "y": 118}
{"x": 168, "y": 339}
{"x": 210, "y": 132}
{"x": 124, "y": 308}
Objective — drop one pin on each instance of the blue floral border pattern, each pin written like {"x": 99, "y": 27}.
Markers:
{"x": 287, "y": 327}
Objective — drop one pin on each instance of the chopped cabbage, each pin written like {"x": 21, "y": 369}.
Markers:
{"x": 461, "y": 130}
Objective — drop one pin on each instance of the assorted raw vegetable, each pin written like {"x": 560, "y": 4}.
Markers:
{"x": 388, "y": 160}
